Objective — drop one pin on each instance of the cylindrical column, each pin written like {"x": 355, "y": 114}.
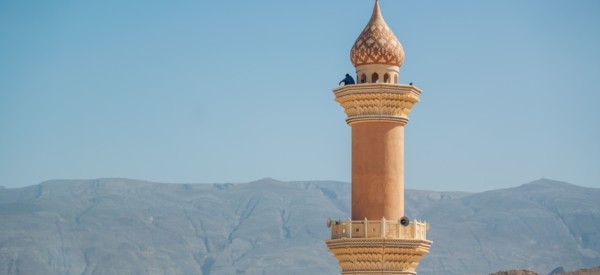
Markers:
{"x": 377, "y": 170}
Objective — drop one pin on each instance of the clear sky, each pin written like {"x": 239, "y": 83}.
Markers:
{"x": 234, "y": 91}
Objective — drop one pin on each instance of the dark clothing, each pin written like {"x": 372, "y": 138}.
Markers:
{"x": 348, "y": 80}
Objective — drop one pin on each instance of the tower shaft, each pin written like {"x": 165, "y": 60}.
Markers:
{"x": 377, "y": 170}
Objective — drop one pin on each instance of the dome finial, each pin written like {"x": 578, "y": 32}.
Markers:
{"x": 376, "y": 11}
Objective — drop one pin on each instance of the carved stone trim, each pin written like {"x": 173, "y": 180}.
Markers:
{"x": 378, "y": 255}
{"x": 377, "y": 102}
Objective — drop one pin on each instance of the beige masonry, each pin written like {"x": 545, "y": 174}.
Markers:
{"x": 377, "y": 170}
{"x": 374, "y": 241}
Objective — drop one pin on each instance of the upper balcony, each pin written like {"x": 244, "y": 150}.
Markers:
{"x": 377, "y": 102}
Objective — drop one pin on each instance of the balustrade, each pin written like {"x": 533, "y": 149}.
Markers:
{"x": 383, "y": 228}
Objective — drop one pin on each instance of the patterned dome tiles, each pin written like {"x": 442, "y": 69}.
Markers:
{"x": 377, "y": 44}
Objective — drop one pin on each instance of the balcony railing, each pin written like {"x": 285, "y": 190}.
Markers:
{"x": 378, "y": 229}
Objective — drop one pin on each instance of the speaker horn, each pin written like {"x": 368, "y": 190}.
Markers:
{"x": 329, "y": 222}
{"x": 404, "y": 221}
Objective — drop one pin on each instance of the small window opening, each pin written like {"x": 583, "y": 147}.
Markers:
{"x": 375, "y": 78}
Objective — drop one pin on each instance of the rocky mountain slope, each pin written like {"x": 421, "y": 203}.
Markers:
{"x": 516, "y": 272}
{"x": 119, "y": 226}
{"x": 556, "y": 271}
{"x": 585, "y": 271}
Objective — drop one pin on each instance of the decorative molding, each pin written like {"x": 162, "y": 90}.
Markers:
{"x": 378, "y": 256}
{"x": 377, "y": 102}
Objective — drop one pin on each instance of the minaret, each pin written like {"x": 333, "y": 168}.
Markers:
{"x": 378, "y": 239}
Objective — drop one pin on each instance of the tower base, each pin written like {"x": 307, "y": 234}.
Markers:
{"x": 378, "y": 255}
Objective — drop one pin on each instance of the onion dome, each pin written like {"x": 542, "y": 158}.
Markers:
{"x": 377, "y": 44}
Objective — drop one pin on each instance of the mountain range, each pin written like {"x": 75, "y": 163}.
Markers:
{"x": 122, "y": 226}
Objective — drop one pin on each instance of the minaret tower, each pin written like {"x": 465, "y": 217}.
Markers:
{"x": 378, "y": 239}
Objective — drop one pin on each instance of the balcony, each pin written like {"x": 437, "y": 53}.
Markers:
{"x": 383, "y": 228}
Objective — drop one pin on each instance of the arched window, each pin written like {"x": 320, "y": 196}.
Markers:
{"x": 374, "y": 78}
{"x": 363, "y": 78}
{"x": 395, "y": 79}
{"x": 386, "y": 78}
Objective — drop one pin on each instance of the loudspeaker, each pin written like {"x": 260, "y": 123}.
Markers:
{"x": 404, "y": 221}
{"x": 329, "y": 222}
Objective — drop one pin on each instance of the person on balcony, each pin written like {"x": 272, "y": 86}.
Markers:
{"x": 347, "y": 81}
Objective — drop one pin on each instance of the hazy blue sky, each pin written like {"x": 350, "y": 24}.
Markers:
{"x": 234, "y": 91}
